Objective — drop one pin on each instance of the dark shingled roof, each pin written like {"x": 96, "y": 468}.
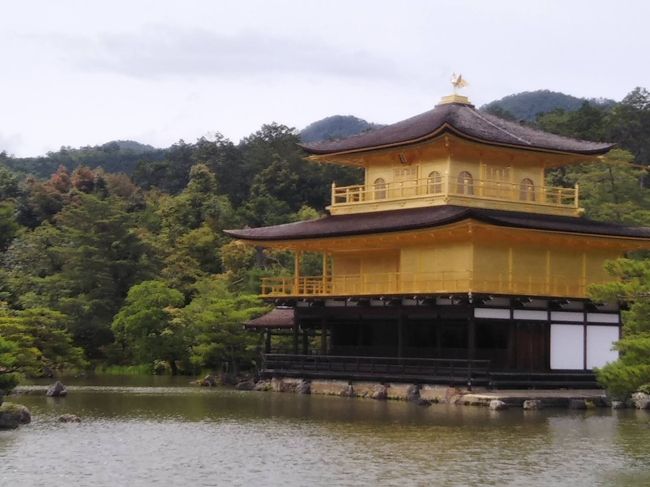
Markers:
{"x": 463, "y": 120}
{"x": 276, "y": 318}
{"x": 434, "y": 216}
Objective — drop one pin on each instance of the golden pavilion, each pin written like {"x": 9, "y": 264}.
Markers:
{"x": 453, "y": 262}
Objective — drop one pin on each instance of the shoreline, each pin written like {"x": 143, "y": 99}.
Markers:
{"x": 427, "y": 394}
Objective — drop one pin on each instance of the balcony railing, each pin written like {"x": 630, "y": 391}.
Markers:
{"x": 442, "y": 370}
{"x": 439, "y": 189}
{"x": 398, "y": 283}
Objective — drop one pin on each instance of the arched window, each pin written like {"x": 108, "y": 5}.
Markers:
{"x": 465, "y": 183}
{"x": 434, "y": 183}
{"x": 380, "y": 189}
{"x": 527, "y": 190}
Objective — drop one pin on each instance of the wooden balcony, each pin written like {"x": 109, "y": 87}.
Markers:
{"x": 446, "y": 190}
{"x": 396, "y": 283}
{"x": 442, "y": 371}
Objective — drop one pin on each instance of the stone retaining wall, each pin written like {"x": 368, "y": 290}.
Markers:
{"x": 428, "y": 393}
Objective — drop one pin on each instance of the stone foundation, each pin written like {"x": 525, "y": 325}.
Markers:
{"x": 372, "y": 390}
{"x": 429, "y": 393}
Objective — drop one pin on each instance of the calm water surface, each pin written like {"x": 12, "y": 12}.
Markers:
{"x": 160, "y": 431}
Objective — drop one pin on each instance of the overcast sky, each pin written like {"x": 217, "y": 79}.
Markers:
{"x": 83, "y": 73}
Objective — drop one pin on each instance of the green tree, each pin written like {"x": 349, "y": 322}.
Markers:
{"x": 217, "y": 315}
{"x": 632, "y": 369}
{"x": 82, "y": 265}
{"x": 589, "y": 122}
{"x": 101, "y": 258}
{"x": 610, "y": 190}
{"x": 629, "y": 124}
{"x": 9, "y": 187}
{"x": 9, "y": 365}
{"x": 144, "y": 325}
{"x": 38, "y": 341}
{"x": 8, "y": 226}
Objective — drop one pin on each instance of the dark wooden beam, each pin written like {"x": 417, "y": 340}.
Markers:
{"x": 267, "y": 341}
{"x": 323, "y": 336}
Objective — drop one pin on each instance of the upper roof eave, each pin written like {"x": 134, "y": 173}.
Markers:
{"x": 429, "y": 217}
{"x": 466, "y": 122}
{"x": 442, "y": 130}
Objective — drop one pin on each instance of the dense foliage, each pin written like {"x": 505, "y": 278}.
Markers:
{"x": 632, "y": 370}
{"x": 122, "y": 269}
{"x": 529, "y": 105}
{"x": 115, "y": 156}
{"x": 335, "y": 127}
{"x": 116, "y": 255}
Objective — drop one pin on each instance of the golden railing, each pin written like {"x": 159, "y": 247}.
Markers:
{"x": 439, "y": 188}
{"x": 396, "y": 283}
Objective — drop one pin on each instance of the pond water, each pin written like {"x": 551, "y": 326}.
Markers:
{"x": 161, "y": 431}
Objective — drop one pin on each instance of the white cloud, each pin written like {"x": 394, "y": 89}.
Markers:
{"x": 163, "y": 51}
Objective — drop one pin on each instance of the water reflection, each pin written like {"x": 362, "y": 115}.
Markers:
{"x": 143, "y": 431}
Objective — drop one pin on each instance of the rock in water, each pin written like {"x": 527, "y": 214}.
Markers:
{"x": 57, "y": 390}
{"x": 379, "y": 392}
{"x": 69, "y": 418}
{"x": 496, "y": 405}
{"x": 641, "y": 400}
{"x": 413, "y": 393}
{"x": 348, "y": 391}
{"x": 263, "y": 385}
{"x": 8, "y": 421}
{"x": 618, "y": 405}
{"x": 531, "y": 404}
{"x": 209, "y": 381}
{"x": 303, "y": 387}
{"x": 12, "y": 415}
{"x": 245, "y": 385}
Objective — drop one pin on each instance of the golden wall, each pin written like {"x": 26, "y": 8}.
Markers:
{"x": 477, "y": 266}
{"x": 508, "y": 166}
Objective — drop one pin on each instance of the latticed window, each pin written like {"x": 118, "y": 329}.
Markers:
{"x": 465, "y": 183}
{"x": 527, "y": 190}
{"x": 405, "y": 173}
{"x": 380, "y": 189}
{"x": 434, "y": 183}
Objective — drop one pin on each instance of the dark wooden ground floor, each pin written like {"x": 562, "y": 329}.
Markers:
{"x": 505, "y": 342}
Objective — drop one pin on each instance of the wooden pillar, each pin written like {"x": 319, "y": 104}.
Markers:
{"x": 305, "y": 341}
{"x": 297, "y": 258}
{"x": 267, "y": 341}
{"x": 400, "y": 336}
{"x": 324, "y": 273}
{"x": 323, "y": 336}
{"x": 295, "y": 337}
{"x": 471, "y": 336}
{"x": 471, "y": 345}
{"x": 359, "y": 333}
{"x": 512, "y": 345}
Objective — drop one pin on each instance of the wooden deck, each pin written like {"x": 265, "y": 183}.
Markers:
{"x": 455, "y": 372}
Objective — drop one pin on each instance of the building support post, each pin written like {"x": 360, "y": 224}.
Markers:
{"x": 324, "y": 274}
{"x": 267, "y": 341}
{"x": 305, "y": 341}
{"x": 323, "y": 336}
{"x": 400, "y": 336}
{"x": 297, "y": 260}
{"x": 296, "y": 330}
{"x": 471, "y": 346}
{"x": 471, "y": 338}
